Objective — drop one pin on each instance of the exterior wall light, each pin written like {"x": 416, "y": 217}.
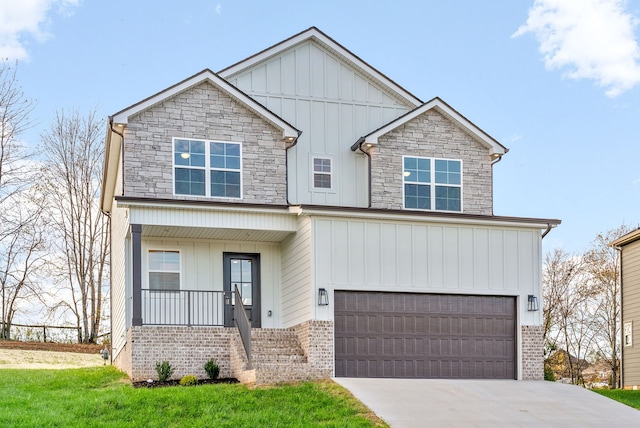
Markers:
{"x": 532, "y": 303}
{"x": 323, "y": 297}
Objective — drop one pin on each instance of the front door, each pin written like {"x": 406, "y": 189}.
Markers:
{"x": 242, "y": 270}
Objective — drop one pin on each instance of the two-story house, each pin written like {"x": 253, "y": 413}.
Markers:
{"x": 354, "y": 220}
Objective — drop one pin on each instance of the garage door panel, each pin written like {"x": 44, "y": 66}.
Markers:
{"x": 424, "y": 335}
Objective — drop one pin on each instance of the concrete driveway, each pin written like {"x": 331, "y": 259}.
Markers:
{"x": 488, "y": 403}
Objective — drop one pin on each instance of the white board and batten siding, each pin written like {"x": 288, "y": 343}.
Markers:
{"x": 201, "y": 268}
{"x": 372, "y": 255}
{"x": 631, "y": 312}
{"x": 209, "y": 219}
{"x": 334, "y": 104}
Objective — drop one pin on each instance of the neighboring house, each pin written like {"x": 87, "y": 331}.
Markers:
{"x": 629, "y": 247}
{"x": 355, "y": 220}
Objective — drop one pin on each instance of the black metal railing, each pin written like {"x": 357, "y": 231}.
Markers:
{"x": 243, "y": 324}
{"x": 183, "y": 307}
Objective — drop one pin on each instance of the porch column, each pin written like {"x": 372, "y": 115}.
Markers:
{"x": 136, "y": 268}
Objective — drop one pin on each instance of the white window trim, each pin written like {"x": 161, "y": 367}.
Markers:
{"x": 207, "y": 168}
{"x": 149, "y": 270}
{"x": 433, "y": 184}
{"x": 627, "y": 332}
{"x": 332, "y": 175}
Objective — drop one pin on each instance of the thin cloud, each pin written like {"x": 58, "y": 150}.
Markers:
{"x": 24, "y": 19}
{"x": 588, "y": 39}
{"x": 515, "y": 137}
{"x": 219, "y": 8}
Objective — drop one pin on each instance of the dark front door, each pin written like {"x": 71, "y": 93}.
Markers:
{"x": 243, "y": 271}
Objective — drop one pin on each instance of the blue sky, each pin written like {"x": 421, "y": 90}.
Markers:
{"x": 556, "y": 81}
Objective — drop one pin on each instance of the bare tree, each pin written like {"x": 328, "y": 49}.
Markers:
{"x": 14, "y": 119}
{"x": 20, "y": 231}
{"x": 22, "y": 254}
{"x": 74, "y": 152}
{"x": 603, "y": 266}
{"x": 560, "y": 273}
{"x": 566, "y": 325}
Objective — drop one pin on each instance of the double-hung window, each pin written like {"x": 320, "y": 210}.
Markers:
{"x": 432, "y": 184}
{"x": 207, "y": 168}
{"x": 322, "y": 173}
{"x": 164, "y": 270}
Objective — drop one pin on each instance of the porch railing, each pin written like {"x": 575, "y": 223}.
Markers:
{"x": 183, "y": 307}
{"x": 243, "y": 324}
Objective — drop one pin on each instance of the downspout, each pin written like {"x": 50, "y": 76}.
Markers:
{"x": 359, "y": 143}
{"x": 621, "y": 366}
{"x": 121, "y": 147}
{"x": 493, "y": 162}
{"x": 549, "y": 227}
{"x": 286, "y": 167}
{"x": 110, "y": 289}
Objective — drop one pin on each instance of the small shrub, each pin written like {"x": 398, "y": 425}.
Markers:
{"x": 164, "y": 370}
{"x": 212, "y": 369}
{"x": 548, "y": 373}
{"x": 188, "y": 380}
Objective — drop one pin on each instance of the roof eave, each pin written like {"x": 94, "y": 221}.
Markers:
{"x": 629, "y": 238}
{"x": 442, "y": 107}
{"x": 313, "y": 33}
{"x": 289, "y": 131}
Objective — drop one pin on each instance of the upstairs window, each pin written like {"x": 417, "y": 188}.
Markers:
{"x": 322, "y": 173}
{"x": 164, "y": 270}
{"x": 207, "y": 168}
{"x": 225, "y": 169}
{"x": 432, "y": 184}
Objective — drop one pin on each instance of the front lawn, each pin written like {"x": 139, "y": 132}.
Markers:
{"x": 102, "y": 397}
{"x": 625, "y": 396}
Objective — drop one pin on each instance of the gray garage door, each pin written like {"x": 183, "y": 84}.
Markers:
{"x": 406, "y": 335}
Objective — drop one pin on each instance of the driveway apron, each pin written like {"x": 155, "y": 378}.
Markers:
{"x": 417, "y": 403}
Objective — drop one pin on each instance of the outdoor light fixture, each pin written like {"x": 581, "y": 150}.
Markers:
{"x": 532, "y": 303}
{"x": 323, "y": 297}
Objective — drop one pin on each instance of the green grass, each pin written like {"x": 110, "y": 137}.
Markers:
{"x": 102, "y": 397}
{"x": 625, "y": 396}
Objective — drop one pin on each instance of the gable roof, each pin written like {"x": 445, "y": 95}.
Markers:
{"x": 449, "y": 112}
{"x": 327, "y": 42}
{"x": 113, "y": 141}
{"x": 206, "y": 75}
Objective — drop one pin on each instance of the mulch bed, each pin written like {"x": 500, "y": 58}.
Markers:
{"x": 82, "y": 348}
{"x": 176, "y": 382}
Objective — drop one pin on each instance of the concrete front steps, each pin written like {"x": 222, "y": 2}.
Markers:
{"x": 276, "y": 355}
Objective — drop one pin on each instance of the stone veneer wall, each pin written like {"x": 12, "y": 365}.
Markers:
{"x": 532, "y": 353}
{"x": 431, "y": 135}
{"x": 186, "y": 348}
{"x": 203, "y": 112}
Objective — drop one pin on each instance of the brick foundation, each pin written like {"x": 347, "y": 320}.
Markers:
{"x": 532, "y": 353}
{"x": 186, "y": 348}
{"x": 309, "y": 355}
{"x": 316, "y": 339}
